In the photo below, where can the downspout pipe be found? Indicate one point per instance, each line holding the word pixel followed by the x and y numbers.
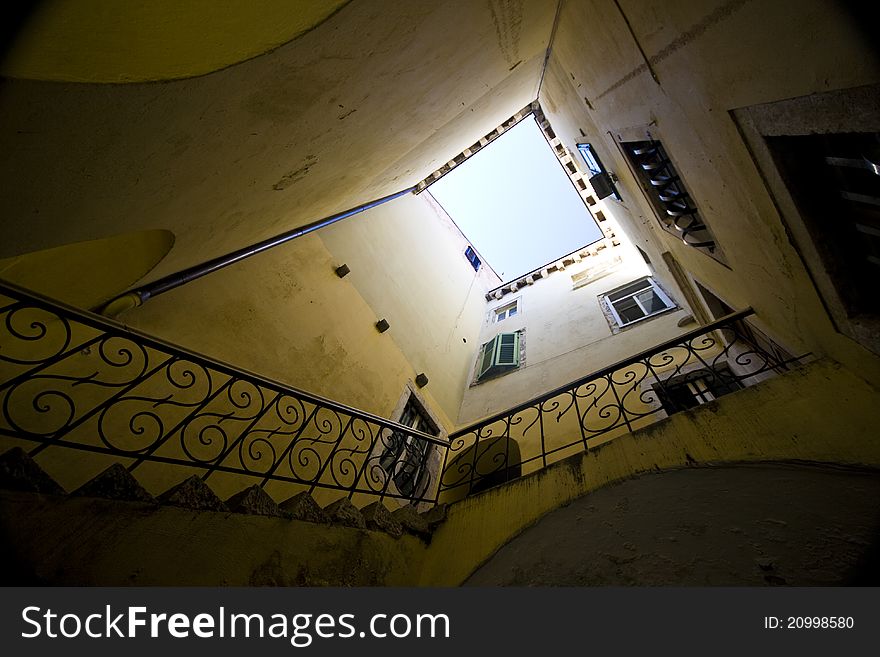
pixel 141 295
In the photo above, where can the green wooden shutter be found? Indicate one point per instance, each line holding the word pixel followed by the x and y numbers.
pixel 507 354
pixel 488 357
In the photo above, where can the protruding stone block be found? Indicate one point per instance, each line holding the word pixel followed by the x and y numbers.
pixel 18 471
pixel 253 501
pixel 343 512
pixel 412 522
pixel 303 507
pixel 193 493
pixel 115 483
pixel 435 515
pixel 378 517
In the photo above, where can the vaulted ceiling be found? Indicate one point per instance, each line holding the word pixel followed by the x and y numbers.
pixel 369 98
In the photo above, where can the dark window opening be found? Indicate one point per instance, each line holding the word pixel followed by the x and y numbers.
pixel 405 457
pixel 695 388
pixel 834 180
pixel 600 179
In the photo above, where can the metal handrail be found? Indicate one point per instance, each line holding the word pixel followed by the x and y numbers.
pixel 142 294
pixel 681 373
pixel 70 379
pixel 621 364
pixel 101 322
pixel 95 367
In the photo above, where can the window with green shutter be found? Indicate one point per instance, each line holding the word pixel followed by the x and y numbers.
pixel 500 354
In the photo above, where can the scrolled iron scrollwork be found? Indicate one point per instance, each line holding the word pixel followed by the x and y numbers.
pixel 724 355
pixel 73 380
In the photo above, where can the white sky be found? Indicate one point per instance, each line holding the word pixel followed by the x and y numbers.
pixel 515 203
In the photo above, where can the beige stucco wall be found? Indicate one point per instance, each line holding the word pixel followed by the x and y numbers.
pixel 711 58
pixel 567 336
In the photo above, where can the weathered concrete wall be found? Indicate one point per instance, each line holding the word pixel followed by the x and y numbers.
pixel 82 541
pixel 820 412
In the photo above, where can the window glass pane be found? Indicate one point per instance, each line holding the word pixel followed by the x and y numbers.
pixel 628 310
pixel 651 301
pixel 629 290
pixel 511 312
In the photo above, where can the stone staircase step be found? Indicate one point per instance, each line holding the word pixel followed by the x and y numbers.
pixel 412 522
pixel 18 471
pixel 195 494
pixel 254 501
pixel 302 506
pixel 343 512
pixel 378 517
pixel 115 483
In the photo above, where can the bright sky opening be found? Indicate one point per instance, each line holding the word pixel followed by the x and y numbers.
pixel 515 203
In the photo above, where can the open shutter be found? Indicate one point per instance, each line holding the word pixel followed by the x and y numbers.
pixel 487 357
pixel 507 350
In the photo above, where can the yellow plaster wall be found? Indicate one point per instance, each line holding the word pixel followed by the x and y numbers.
pixel 140 40
pixel 286 315
pixel 407 262
pixel 189 548
pixel 88 274
pixel 711 58
pixel 820 412
pixel 364 105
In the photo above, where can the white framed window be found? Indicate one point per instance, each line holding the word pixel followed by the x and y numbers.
pixel 501 354
pixel 508 310
pixel 637 301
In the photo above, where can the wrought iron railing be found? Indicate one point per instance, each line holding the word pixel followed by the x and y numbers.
pixel 73 382
pixel 684 372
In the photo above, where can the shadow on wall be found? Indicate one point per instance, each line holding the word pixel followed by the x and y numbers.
pixel 489 463
pixel 88 274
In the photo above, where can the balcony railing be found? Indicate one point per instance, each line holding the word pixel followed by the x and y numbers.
pixel 682 373
pixel 73 382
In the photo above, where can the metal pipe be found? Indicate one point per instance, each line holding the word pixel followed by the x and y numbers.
pixel 139 296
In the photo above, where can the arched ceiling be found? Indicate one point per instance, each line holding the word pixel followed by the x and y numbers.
pixel 139 40
pixel 370 101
